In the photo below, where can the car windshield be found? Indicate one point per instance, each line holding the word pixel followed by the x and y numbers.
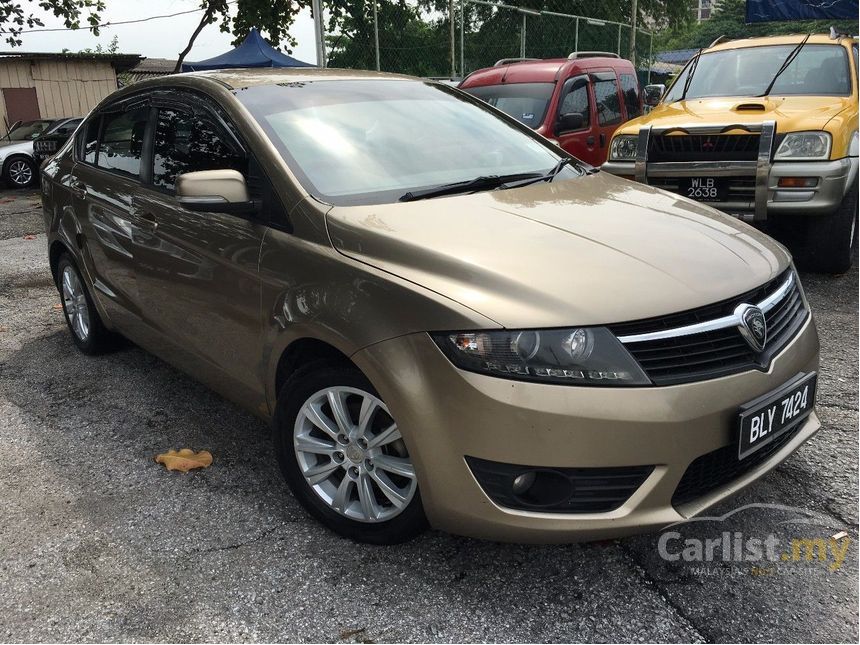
pixel 817 70
pixel 28 130
pixel 526 102
pixel 372 141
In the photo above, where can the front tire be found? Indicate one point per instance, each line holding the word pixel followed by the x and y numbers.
pixel 20 172
pixel 826 244
pixel 343 457
pixel 85 324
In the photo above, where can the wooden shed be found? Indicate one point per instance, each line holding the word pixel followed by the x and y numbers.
pixel 47 85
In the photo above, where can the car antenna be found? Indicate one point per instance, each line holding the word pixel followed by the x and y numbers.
pixel 788 60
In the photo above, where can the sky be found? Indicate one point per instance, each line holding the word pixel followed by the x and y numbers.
pixel 163 38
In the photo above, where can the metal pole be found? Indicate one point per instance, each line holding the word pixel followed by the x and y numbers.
pixel 576 37
pixel 523 39
pixel 650 57
pixel 319 31
pixel 376 34
pixel 634 19
pixel 462 38
pixel 451 14
pixel 619 40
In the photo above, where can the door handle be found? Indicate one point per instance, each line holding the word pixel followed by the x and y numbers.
pixel 78 189
pixel 602 140
pixel 590 140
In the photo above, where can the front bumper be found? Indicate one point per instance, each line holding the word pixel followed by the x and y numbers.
pixel 446 415
pixel 754 190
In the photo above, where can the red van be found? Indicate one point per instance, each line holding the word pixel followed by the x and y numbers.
pixel 576 101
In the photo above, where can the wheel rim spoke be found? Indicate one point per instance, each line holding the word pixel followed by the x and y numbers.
pixel 321 472
pixel 390 434
pixel 366 414
pixel 396 465
pixel 315 414
pixel 388 489
pixel 343 495
pixel 314 446
pixel 366 498
pixel 338 409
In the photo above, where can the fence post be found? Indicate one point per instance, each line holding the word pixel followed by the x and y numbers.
pixel 462 38
pixel 319 31
pixel 376 34
pixel 650 55
pixel 619 40
pixel 576 37
pixel 523 39
pixel 634 19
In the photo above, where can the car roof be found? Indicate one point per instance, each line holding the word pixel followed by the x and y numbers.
pixel 540 71
pixel 239 78
pixel 789 39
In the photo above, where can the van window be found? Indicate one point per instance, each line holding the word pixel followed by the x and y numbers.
pixel 121 142
pixel 576 100
pixel 606 98
pixel 630 89
pixel 187 142
pixel 526 102
pixel 89 142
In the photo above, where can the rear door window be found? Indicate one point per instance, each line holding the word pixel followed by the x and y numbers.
pixel 630 89
pixel 188 142
pixel 121 145
pixel 606 99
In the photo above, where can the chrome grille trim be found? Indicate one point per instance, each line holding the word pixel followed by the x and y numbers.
pixel 717 323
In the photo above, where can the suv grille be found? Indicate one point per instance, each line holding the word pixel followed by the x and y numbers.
pixel 559 490
pixel 710 354
pixel 703 147
pixel 720 467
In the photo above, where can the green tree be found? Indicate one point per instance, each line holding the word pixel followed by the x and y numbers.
pixel 17 15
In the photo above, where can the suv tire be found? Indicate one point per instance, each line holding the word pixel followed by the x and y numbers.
pixel 86 327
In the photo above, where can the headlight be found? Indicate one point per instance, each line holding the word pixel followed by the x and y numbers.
pixel 579 356
pixel 623 147
pixel 804 145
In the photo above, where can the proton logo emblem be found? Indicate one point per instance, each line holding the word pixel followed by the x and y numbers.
pixel 752 325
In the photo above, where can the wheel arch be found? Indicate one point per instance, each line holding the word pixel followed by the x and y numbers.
pixel 57 248
pixel 301 352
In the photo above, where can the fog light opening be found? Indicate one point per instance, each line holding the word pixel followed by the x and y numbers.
pixel 539 488
pixel 523 482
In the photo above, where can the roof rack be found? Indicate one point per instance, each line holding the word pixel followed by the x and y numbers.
pixel 720 39
pixel 508 61
pixel 577 55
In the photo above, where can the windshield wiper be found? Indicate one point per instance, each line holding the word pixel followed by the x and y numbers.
pixel 788 60
pixel 689 78
pixel 557 168
pixel 484 182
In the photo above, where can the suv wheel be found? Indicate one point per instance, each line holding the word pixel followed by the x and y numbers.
pixel 88 332
pixel 825 244
pixel 19 172
pixel 343 457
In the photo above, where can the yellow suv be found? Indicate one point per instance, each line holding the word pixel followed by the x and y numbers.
pixel 764 129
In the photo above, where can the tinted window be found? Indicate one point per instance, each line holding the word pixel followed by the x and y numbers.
pixel 606 98
pixel 186 142
pixel 66 128
pixel 122 141
pixel 576 100
pixel 90 141
pixel 526 102
pixel 630 90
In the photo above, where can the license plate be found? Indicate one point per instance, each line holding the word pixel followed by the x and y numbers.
pixel 769 416
pixel 704 189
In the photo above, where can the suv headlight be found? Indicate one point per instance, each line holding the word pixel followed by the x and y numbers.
pixel 804 145
pixel 577 356
pixel 623 147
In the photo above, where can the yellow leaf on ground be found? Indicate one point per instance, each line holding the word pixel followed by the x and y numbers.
pixel 185 459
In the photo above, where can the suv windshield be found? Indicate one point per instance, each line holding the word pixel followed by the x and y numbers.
pixel 817 70
pixel 526 102
pixel 372 141
pixel 27 130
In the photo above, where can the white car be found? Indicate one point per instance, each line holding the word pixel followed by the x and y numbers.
pixel 19 167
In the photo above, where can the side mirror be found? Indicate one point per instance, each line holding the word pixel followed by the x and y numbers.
pixel 570 121
pixel 214 191
pixel 652 94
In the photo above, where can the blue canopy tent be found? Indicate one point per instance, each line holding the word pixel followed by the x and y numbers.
pixel 253 52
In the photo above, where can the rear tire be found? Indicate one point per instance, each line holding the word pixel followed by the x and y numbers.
pixel 826 244
pixel 20 172
pixel 340 474
pixel 85 325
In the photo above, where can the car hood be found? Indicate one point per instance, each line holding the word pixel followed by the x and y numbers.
pixel 792 113
pixel 592 250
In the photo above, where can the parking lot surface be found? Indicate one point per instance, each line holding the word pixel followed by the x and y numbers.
pixel 100 543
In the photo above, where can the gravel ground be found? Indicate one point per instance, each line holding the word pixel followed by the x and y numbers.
pixel 99 543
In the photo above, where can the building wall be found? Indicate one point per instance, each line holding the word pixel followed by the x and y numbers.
pixel 64 87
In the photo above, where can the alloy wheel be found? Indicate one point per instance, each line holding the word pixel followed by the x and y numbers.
pixel 75 303
pixel 350 452
pixel 20 173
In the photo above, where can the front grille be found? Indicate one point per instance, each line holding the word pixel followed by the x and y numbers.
pixel 47 147
pixel 566 490
pixel 721 467
pixel 711 354
pixel 703 147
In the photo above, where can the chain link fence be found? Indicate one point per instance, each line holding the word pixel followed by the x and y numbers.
pixel 449 39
